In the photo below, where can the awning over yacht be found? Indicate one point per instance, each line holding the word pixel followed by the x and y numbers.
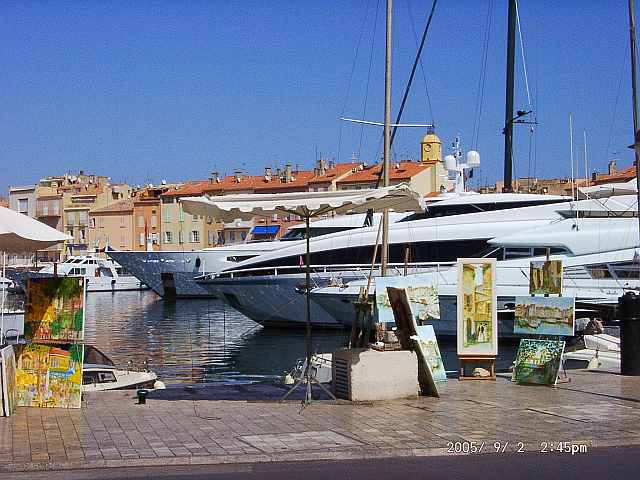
pixel 399 198
pixel 19 233
pixel 608 190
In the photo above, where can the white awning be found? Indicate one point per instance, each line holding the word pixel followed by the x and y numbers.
pixel 399 198
pixel 20 233
pixel 608 190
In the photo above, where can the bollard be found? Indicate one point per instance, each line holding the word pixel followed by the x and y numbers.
pixel 629 315
pixel 142 396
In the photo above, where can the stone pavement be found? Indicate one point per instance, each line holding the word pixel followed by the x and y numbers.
pixel 594 410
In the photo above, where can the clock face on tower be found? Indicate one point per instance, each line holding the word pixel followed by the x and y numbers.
pixel 426 147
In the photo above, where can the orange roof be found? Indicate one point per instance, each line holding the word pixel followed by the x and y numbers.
pixel 371 174
pixel 337 171
pixel 621 176
pixel 230 183
pixel 299 179
pixel 257 183
pixel 188 189
pixel 125 205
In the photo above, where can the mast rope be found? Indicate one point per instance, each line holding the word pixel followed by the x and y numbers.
pixel 366 90
pixel 483 75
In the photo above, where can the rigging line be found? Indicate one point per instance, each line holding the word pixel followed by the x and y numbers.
pixel 366 90
pixel 524 64
pixel 615 106
pixel 350 83
pixel 410 81
pixel 483 77
pixel 424 76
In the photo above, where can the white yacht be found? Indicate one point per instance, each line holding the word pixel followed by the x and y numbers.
pixel 102 275
pixel 599 254
pixel 264 288
pixel 171 273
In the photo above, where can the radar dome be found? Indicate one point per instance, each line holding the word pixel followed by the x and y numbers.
pixel 450 162
pixel 473 159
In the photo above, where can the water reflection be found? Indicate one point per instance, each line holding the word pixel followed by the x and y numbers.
pixel 202 340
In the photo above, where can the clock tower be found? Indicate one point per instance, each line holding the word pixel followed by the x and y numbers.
pixel 430 148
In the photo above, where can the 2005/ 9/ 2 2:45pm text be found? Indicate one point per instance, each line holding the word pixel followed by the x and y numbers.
pixel 517 447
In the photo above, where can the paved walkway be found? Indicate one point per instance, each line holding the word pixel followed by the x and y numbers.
pixel 594 410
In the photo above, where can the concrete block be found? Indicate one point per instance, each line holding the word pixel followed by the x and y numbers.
pixel 361 374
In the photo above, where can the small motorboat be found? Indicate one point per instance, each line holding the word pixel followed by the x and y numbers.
pixel 601 353
pixel 99 373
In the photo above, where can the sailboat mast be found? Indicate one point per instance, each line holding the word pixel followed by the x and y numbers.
pixel 384 260
pixel 508 116
pixel 634 90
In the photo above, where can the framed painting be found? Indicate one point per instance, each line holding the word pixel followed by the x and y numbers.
pixel 55 309
pixel 49 376
pixel 544 316
pixel 423 297
pixel 538 361
pixel 477 318
pixel 8 374
pixel 545 277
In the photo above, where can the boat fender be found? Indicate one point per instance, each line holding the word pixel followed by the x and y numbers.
pixel 159 385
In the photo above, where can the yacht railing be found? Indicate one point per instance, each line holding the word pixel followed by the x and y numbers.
pixel 352 267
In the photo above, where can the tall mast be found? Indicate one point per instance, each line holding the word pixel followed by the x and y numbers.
pixel 634 90
pixel 508 116
pixel 387 141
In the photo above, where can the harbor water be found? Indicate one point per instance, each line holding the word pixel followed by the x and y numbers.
pixel 205 341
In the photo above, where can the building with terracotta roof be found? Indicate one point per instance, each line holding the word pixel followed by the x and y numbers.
pixel 147 226
pixel 328 175
pixel 112 226
pixel 614 175
pixel 180 230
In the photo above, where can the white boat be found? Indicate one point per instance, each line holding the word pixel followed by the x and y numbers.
pixel 264 288
pixel 172 273
pixel 100 374
pixel 601 353
pixel 102 275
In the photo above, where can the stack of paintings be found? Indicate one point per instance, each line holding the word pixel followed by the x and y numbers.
pixel 49 370
pixel 8 380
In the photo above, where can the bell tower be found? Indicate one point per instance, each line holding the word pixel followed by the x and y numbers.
pixel 431 148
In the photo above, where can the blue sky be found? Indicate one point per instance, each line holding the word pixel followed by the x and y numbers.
pixel 145 91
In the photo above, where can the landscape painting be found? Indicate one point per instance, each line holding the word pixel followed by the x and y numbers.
pixel 55 309
pixel 49 376
pixel 423 297
pixel 428 344
pixel 477 326
pixel 544 316
pixel 545 277
pixel 538 361
pixel 8 374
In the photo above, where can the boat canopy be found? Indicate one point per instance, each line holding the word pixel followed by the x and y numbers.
pixel 399 198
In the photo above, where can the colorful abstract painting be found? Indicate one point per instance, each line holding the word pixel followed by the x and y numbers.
pixel 8 380
pixel 545 277
pixel 477 328
pixel 55 309
pixel 49 376
pixel 428 344
pixel 544 316
pixel 423 297
pixel 538 361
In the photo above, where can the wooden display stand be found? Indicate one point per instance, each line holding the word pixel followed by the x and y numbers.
pixel 464 360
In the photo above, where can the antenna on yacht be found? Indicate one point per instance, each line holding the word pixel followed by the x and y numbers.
pixel 455 168
pixel 573 181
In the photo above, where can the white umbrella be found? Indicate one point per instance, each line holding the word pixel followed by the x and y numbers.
pixel 20 233
pixel 400 198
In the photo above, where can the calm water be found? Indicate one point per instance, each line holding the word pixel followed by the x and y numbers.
pixel 204 341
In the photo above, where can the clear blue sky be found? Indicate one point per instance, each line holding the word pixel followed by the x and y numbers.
pixel 143 91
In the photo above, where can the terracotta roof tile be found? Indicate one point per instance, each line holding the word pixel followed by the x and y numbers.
pixel 188 189
pixel 370 174
pixel 125 205
pixel 337 171
pixel 621 176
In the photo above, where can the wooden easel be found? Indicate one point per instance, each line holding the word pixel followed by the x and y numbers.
pixel 465 360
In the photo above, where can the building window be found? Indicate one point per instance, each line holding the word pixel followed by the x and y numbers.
pixel 23 206
pixel 123 240
pixel 83 217
pixel 154 238
pixel 56 207
pixel 141 239
pixel 221 238
pixel 180 239
pixel 210 238
pixel 243 236
pixel 195 218
pixel 122 220
pixel 154 221
pixel 167 237
pixel 195 236
pixel 140 221
pixel 166 215
pixel 83 235
pixel 93 223
pixel 232 236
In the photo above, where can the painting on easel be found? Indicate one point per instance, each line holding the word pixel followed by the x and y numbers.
pixel 477 331
pixel 545 277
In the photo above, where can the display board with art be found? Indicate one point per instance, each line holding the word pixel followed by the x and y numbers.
pixel 538 361
pixel 8 380
pixel 423 297
pixel 477 320
pixel 544 316
pixel 545 277
pixel 420 339
pixel 49 376
pixel 55 309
